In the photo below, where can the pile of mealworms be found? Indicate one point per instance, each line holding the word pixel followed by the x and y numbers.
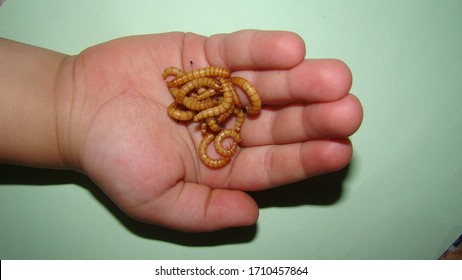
pixel 208 96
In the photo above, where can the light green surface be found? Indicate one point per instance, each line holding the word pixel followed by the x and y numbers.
pixel 401 198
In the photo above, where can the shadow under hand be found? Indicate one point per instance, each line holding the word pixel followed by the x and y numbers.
pixel 21 175
pixel 320 190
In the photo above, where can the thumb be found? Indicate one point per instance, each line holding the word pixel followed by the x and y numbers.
pixel 198 208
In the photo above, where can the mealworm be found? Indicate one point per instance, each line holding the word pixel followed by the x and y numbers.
pixel 196 83
pixel 220 109
pixel 239 118
pixel 179 114
pixel 251 92
pixel 214 71
pixel 200 105
pixel 200 90
pixel 204 156
pixel 212 123
pixel 172 70
pixel 236 98
pixel 208 95
pixel 231 150
pixel 173 91
pixel 204 128
pixel 221 118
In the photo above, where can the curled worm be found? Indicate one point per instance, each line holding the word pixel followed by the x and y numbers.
pixel 172 70
pixel 196 83
pixel 204 156
pixel 179 114
pixel 227 133
pixel 209 96
pixel 214 71
pixel 206 93
pixel 255 101
pixel 223 117
pixel 212 123
pixel 224 105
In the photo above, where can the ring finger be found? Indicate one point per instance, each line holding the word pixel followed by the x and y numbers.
pixel 303 122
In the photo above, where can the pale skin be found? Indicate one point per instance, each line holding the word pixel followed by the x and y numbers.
pixel 104 113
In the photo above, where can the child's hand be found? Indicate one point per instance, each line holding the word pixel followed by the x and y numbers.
pixel 113 124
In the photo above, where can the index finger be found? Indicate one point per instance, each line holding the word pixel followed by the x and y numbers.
pixel 255 49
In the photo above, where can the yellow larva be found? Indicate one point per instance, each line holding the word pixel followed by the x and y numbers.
pixel 211 71
pixel 197 105
pixel 239 118
pixel 196 83
pixel 226 133
pixel 179 114
pixel 220 109
pixel 208 96
pixel 172 70
pixel 251 92
pixel 204 156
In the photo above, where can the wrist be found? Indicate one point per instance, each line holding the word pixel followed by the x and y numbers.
pixel 64 118
pixel 27 111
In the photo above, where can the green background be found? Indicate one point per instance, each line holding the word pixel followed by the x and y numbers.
pixel 401 197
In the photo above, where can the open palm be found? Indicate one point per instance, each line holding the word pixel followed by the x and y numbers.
pixel 148 163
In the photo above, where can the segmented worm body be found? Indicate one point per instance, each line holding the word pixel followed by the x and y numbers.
pixel 255 101
pixel 195 84
pixel 208 96
pixel 213 71
pixel 223 117
pixel 226 133
pixel 204 156
pixel 200 105
pixel 205 93
pixel 179 114
pixel 172 70
pixel 212 124
pixel 239 118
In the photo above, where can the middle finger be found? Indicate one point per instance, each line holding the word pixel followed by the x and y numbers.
pixel 313 80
